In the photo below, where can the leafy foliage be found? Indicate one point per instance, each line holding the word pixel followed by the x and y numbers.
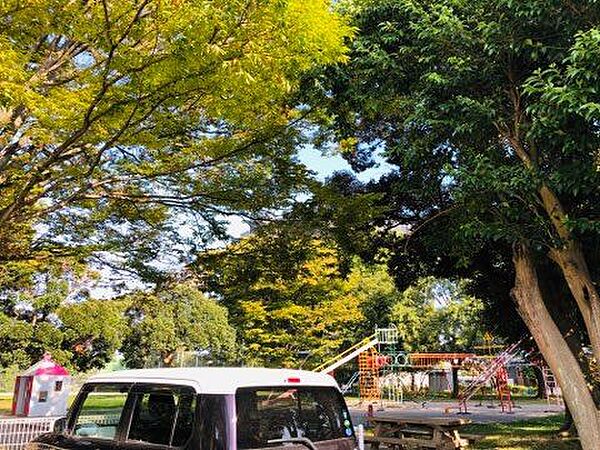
pixel 118 120
pixel 438 315
pixel 80 333
pixel 92 331
pixel 480 105
pixel 289 299
pixel 84 333
pixel 489 111
pixel 445 87
pixel 175 318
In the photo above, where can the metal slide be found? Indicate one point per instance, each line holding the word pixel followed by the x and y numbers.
pixel 348 354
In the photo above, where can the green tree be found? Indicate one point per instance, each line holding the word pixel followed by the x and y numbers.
pixel 489 111
pixel 93 330
pixel 437 315
pixel 376 293
pixel 284 295
pixel 79 332
pixel 177 317
pixel 289 297
pixel 120 119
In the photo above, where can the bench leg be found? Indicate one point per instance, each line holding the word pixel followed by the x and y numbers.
pixel 445 440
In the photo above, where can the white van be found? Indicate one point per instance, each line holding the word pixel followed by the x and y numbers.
pixel 205 409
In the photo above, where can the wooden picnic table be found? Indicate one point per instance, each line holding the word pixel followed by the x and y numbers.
pixel 399 430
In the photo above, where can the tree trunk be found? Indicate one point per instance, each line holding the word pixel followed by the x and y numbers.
pixel 541 385
pixel 562 361
pixel 569 256
pixel 168 358
pixel 572 262
pixel 575 270
pixel 455 387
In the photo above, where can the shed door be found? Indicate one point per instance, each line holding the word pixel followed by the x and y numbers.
pixel 23 395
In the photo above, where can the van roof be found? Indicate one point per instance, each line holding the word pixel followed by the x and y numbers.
pixel 219 380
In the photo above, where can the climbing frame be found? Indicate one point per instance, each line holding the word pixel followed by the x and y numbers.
pixel 368 368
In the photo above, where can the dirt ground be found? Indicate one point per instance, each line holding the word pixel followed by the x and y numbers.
pixel 479 412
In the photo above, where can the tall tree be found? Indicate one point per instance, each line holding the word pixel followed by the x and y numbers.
pixel 93 331
pixel 292 298
pixel 54 317
pixel 489 110
pixel 176 317
pixel 121 119
pixel 438 315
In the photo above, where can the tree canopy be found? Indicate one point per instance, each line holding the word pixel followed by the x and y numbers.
pixel 289 298
pixel 176 317
pixel 488 109
pixel 80 333
pixel 121 120
pixel 437 315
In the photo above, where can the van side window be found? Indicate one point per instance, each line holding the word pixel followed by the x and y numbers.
pixel 163 416
pixel 100 410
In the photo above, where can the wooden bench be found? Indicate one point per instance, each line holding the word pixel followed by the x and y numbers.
pixel 400 430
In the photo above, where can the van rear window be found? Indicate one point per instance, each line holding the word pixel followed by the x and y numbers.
pixel 265 414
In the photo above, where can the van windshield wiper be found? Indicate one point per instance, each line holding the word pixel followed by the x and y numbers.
pixel 297 440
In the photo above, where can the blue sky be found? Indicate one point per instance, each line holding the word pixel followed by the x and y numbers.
pixel 325 165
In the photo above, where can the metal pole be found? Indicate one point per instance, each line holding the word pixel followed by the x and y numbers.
pixel 360 436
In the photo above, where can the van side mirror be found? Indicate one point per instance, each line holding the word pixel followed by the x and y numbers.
pixel 60 425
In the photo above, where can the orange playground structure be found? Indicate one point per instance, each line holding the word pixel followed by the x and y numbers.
pixel 380 362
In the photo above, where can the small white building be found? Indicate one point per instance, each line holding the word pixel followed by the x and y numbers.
pixel 42 390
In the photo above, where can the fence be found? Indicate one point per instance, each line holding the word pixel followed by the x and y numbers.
pixel 100 419
pixel 15 433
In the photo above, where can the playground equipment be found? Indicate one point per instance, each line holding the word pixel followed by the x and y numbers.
pixel 384 371
pixel 368 369
pixel 496 370
pixel 427 360
pixel 553 392
pixel 379 359
pixel 40 399
pixel 349 354
pixel 42 390
pixel 503 389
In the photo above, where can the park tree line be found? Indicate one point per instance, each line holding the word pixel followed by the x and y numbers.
pixel 84 334
pixel 244 304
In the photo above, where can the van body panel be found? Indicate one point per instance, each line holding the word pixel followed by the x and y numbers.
pixel 218 380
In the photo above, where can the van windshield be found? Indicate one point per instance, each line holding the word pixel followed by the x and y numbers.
pixel 264 414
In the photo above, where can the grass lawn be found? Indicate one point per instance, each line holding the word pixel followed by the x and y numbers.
pixel 100 402
pixel 538 434
pixel 5 404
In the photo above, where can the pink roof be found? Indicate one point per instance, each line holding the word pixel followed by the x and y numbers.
pixel 56 370
pixel 46 367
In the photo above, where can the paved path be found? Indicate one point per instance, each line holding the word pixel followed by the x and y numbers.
pixel 524 410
